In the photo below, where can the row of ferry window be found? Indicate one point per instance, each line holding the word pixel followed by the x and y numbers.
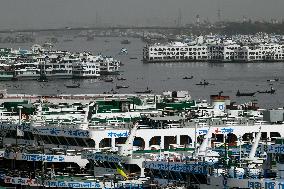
pixel 85 72
pixel 220 48
pixel 211 50
pixel 178 53
pixel 214 57
pixel 178 49
pixel 256 54
pixel 180 57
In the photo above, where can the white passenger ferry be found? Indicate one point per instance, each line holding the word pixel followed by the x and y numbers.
pixel 227 51
pixel 86 70
pixel 173 138
pixel 33 64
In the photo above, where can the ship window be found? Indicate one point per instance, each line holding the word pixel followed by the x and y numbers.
pixel 71 141
pixel 81 142
pixel 54 140
pixel 274 135
pixel 62 140
pixel 28 136
pixel 120 140
pixel 45 139
pixel 106 142
pixel 90 142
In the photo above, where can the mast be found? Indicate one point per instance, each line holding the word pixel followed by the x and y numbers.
pixel 203 147
pixel 127 148
pixel 255 145
pixel 19 132
pixel 240 139
pixel 85 123
pixel 195 138
pixel 42 76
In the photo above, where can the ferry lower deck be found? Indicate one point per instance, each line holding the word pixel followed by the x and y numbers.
pixel 148 136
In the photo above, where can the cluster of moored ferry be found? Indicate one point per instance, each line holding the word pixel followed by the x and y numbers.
pixel 139 141
pixel 43 61
pixel 240 48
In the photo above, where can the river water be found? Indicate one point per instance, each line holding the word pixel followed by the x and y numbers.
pixel 226 77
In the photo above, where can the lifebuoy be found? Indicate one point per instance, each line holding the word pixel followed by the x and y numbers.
pixel 1 95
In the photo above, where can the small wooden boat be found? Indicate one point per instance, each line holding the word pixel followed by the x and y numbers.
pixel 73 85
pixel 271 91
pixel 125 42
pixel 244 94
pixel 121 87
pixel 42 78
pixel 147 91
pixel 123 51
pixel 191 77
pixel 108 80
pixel 204 83
pixel 121 79
pixel 273 80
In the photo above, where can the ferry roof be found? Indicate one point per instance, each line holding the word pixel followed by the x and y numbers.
pixel 174 118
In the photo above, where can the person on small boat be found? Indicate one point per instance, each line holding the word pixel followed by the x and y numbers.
pixel 204 82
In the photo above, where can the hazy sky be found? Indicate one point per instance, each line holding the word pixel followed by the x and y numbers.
pixel 61 13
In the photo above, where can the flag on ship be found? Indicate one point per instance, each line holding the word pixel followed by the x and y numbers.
pixel 120 170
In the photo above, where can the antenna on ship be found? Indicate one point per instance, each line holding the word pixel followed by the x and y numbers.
pixel 219 12
pixel 254 146
pixel 97 19
pixel 197 20
pixel 179 20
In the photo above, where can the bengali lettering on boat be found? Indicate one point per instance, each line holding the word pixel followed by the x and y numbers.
pixel 177 166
